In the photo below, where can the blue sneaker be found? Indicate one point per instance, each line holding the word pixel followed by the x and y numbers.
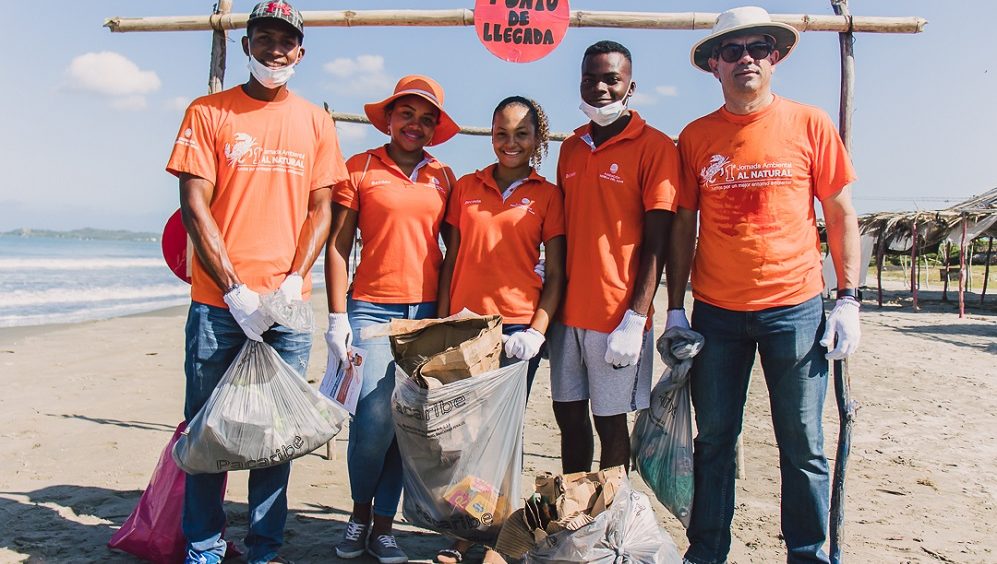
pixel 354 541
pixel 195 557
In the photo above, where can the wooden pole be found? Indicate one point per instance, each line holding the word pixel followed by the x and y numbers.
pixel 465 17
pixel 216 76
pixel 986 270
pixel 945 281
pixel 481 131
pixel 913 262
pixel 962 269
pixel 842 384
pixel 880 255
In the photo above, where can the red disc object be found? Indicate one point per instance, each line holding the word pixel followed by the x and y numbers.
pixel 521 31
pixel 175 246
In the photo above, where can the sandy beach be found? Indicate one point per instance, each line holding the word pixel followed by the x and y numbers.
pixel 86 409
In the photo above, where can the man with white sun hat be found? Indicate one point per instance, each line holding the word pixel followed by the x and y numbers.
pixel 751 170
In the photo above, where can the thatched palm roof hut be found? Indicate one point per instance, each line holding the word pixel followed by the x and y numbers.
pixel 916 231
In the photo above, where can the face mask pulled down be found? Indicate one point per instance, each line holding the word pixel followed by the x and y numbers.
pixel 605 115
pixel 268 77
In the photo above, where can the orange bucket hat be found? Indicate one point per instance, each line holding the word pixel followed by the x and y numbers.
pixel 424 87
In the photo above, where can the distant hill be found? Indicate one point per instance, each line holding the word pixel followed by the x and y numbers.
pixel 86 233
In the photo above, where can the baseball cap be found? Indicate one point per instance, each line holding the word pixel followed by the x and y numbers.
pixel 277 10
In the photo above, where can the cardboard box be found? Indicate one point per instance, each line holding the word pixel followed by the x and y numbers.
pixel 578 497
pixel 446 350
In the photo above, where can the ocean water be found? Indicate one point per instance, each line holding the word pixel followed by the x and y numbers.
pixel 50 280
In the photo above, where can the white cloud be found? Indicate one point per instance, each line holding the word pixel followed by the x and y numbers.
pixel 349 131
pixel 667 90
pixel 177 103
pixel 129 103
pixel 111 74
pixel 642 99
pixel 363 76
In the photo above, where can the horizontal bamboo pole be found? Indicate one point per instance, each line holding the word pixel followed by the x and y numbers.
pixel 481 131
pixel 465 17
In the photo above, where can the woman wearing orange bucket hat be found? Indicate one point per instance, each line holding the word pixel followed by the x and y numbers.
pixel 396 195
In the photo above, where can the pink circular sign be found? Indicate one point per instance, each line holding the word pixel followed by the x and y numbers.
pixel 521 31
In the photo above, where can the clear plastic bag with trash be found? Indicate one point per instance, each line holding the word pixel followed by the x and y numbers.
pixel 461 446
pixel 625 532
pixel 261 414
pixel 296 315
pixel 661 442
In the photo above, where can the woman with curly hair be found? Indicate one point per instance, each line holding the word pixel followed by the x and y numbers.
pixel 501 217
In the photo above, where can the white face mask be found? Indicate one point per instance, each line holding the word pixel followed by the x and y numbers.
pixel 268 77
pixel 605 115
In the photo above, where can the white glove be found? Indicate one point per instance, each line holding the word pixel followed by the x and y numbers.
pixel 540 271
pixel 843 323
pixel 624 343
pixel 339 337
pixel 676 318
pixel 525 344
pixel 244 305
pixel 290 288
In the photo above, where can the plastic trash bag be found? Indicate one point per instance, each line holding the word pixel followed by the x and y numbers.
pixel 462 451
pixel 154 530
pixel 626 532
pixel 661 442
pixel 262 413
pixel 296 315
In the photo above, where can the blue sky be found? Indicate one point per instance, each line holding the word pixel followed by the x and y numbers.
pixel 91 119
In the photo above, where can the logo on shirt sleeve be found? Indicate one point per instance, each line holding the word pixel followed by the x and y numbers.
pixel 186 140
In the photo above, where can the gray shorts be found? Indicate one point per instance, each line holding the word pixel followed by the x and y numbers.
pixel 579 371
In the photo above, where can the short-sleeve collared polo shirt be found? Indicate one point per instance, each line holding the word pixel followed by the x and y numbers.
pixel 607 190
pixel 500 243
pixel 399 221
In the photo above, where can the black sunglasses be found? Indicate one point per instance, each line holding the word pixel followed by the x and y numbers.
pixel 732 52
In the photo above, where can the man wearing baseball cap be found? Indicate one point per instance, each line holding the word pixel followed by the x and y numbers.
pixel 752 170
pixel 256 165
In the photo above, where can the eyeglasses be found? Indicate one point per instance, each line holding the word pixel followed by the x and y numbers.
pixel 732 52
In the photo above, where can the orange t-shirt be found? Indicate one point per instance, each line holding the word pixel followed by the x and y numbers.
pixel 264 158
pixel 753 179
pixel 607 191
pixel 500 243
pixel 399 220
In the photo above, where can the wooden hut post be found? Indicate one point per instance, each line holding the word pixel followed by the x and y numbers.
pixel 880 255
pixel 945 270
pixel 986 270
pixel 913 261
pixel 962 269
pixel 216 75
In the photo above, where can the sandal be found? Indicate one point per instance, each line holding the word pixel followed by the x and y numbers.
pixel 449 556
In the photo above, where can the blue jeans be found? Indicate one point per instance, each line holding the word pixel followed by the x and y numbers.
pixel 213 341
pixel 532 365
pixel 372 456
pixel 787 340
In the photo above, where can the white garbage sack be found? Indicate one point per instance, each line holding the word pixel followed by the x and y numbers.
pixel 626 532
pixel 262 413
pixel 462 450
pixel 661 442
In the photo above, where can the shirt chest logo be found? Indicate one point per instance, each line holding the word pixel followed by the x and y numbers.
pixel 723 174
pixel 611 175
pixel 524 203
pixel 236 151
pixel 245 153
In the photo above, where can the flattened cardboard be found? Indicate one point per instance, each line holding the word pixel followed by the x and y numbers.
pixel 446 350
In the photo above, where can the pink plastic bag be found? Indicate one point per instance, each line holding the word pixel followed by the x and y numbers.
pixel 154 531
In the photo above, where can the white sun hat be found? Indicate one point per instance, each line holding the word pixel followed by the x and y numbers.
pixel 746 20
